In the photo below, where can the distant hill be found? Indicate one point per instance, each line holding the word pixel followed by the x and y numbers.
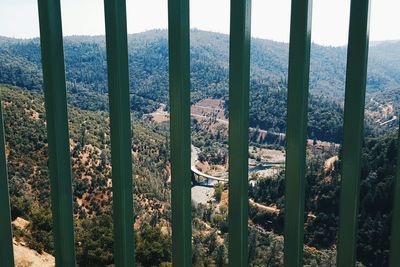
pixel 86 74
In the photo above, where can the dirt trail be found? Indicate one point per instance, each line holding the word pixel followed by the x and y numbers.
pixel 264 207
pixel 329 164
pixel 25 256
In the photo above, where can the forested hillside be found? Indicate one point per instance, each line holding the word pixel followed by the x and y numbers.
pixel 26 149
pixel 323 194
pixel 148 59
pixel 29 189
pixel 86 75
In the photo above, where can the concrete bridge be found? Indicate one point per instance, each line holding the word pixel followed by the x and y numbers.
pixel 209 178
pixel 224 178
pixel 195 171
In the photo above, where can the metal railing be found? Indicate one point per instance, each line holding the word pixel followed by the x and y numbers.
pixel 179 62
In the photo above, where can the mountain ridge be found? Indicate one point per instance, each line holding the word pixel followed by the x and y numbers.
pixel 86 76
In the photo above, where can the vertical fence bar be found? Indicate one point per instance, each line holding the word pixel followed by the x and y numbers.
pixel 357 59
pixel 6 243
pixel 120 124
pixel 395 235
pixel 296 136
pixel 179 94
pixel 239 86
pixel 51 41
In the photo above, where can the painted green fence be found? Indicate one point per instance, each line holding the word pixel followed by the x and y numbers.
pixel 179 68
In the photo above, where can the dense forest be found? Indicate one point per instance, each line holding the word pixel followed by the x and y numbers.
pixel 322 200
pixel 86 75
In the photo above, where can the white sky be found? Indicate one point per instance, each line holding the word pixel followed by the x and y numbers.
pixel 270 18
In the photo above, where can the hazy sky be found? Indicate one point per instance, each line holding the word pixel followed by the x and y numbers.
pixel 270 18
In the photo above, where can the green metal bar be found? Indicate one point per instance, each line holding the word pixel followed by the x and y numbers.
pixel 239 87
pixel 179 95
pixel 395 242
pixel 296 136
pixel 51 41
pixel 6 242
pixel 357 59
pixel 120 124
